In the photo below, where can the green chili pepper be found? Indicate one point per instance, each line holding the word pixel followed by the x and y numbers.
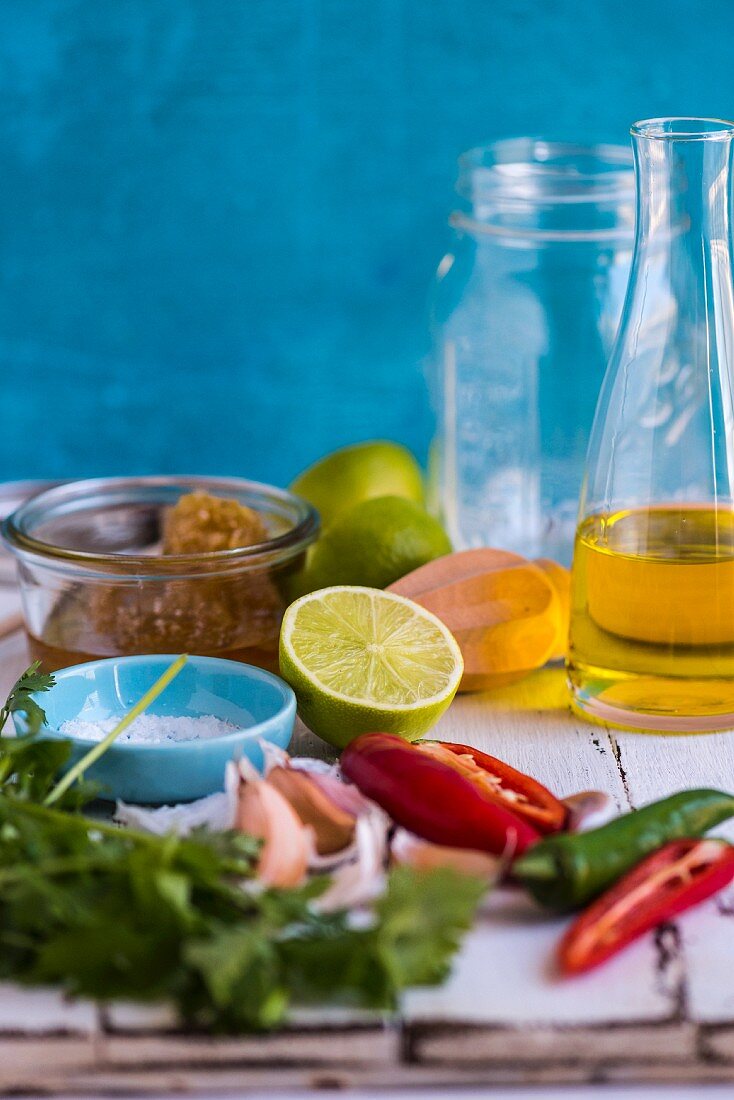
pixel 567 870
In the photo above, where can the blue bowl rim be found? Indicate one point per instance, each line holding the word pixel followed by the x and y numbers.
pixel 286 709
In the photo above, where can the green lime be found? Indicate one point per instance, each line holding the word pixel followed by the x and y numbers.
pixel 361 660
pixel 374 544
pixel 353 474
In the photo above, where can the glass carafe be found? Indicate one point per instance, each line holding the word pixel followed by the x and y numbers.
pixel 652 626
pixel 524 310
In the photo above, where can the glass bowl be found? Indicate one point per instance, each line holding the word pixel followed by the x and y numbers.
pixel 94 584
pixel 12 495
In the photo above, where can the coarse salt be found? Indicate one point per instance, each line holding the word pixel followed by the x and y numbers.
pixel 151 729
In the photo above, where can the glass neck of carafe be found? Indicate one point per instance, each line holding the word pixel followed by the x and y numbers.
pixel 664 427
pixel 684 181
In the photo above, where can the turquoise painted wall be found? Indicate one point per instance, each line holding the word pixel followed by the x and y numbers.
pixel 219 218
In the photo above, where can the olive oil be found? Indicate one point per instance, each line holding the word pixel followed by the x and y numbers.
pixel 652 618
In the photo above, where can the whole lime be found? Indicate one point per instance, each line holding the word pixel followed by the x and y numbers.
pixel 374 544
pixel 348 476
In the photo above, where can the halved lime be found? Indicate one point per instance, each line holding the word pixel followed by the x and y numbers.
pixel 361 660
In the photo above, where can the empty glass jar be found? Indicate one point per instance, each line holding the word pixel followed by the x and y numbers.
pixel 524 311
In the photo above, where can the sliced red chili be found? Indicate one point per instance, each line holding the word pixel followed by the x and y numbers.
pixel 502 784
pixel 432 799
pixel 676 877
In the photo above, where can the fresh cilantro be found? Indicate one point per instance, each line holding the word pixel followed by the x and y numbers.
pixel 414 932
pixel 29 765
pixel 32 682
pixel 420 922
pixel 106 913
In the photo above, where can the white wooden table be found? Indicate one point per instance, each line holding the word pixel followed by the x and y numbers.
pixel 662 1012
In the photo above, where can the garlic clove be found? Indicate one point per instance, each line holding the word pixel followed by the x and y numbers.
pixel 264 813
pixel 345 795
pixel 333 827
pixel 413 851
pixel 588 810
pixel 312 765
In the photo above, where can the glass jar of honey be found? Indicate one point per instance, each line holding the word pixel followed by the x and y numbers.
pixel 95 580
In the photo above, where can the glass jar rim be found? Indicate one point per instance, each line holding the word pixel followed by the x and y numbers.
pixel 683 128
pixel 17 534
pixel 538 171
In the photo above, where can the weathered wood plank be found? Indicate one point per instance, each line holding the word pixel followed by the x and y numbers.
pixel 707 940
pixel 261 1080
pixel 27 1063
pixel 342 1047
pixel 654 766
pixel 546 1046
pixel 504 976
pixel 44 1011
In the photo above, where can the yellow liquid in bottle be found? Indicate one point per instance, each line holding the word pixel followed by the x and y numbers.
pixel 652 618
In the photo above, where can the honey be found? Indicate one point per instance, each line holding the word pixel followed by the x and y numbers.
pixel 236 616
pixel 125 566
pixel 652 617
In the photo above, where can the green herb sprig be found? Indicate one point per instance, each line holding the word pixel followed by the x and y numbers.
pixel 106 912
pixel 32 682
pixel 109 913
pixel 29 765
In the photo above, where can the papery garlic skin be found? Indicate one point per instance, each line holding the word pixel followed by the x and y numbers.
pixel 412 851
pixel 344 794
pixel 589 810
pixel 274 756
pixel 216 812
pixel 345 834
pixel 359 879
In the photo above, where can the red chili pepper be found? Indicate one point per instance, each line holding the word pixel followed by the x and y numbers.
pixel 432 799
pixel 676 877
pixel 502 784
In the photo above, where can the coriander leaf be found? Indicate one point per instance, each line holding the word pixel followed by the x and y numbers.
pixel 31 682
pixel 111 913
pixel 342 965
pixel 29 765
pixel 421 918
pixel 241 970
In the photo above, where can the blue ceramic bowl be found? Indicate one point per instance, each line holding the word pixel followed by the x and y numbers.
pixel 261 705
